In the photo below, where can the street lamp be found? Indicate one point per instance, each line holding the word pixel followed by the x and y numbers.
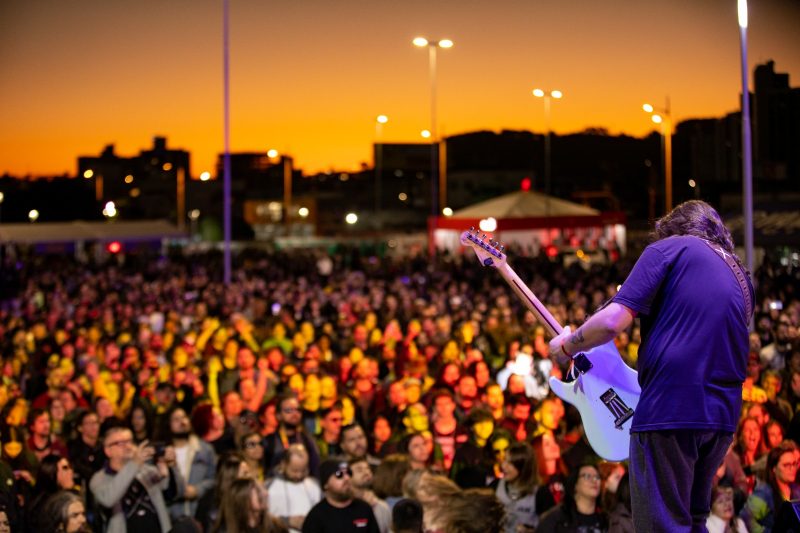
pixel 33 215
pixel 547 95
pixel 380 120
pixel 747 145
pixel 663 117
pixel 436 176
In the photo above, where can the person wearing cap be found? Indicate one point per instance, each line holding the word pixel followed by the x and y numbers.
pixel 339 511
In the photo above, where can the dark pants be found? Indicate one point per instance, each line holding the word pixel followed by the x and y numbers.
pixel 671 473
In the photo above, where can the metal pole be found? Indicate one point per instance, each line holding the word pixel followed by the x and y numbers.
pixel 434 134
pixel 226 194
pixel 668 157
pixel 747 145
pixel 181 193
pixel 378 169
pixel 547 154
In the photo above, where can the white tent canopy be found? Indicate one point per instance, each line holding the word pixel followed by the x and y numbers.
pixel 529 221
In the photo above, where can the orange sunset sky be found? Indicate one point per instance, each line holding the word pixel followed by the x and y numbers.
pixel 308 77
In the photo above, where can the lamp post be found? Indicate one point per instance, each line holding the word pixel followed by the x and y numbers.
pixel 379 122
pixel 547 95
pixel 226 185
pixel 747 145
pixel 663 116
pixel 437 197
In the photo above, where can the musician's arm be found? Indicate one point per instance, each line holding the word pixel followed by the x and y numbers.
pixel 601 328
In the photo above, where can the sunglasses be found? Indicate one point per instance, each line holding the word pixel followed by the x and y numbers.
pixel 339 474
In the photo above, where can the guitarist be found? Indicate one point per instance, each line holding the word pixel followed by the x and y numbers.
pixel 695 302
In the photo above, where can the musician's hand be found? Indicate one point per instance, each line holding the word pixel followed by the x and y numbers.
pixel 554 347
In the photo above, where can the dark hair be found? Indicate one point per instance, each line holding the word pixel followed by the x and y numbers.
pixel 148 416
pixel 697 218
pixel 624 491
pixel 47 476
pixel 36 413
pixel 773 459
pixel 388 478
pixel 475 510
pixel 56 510
pixel 202 417
pixel 520 455
pixel 407 516
pixel 478 415
pixel 568 504
pixel 227 471
pixel 236 509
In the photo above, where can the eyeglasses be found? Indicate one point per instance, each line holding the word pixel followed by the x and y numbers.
pixel 590 477
pixel 253 444
pixel 290 410
pixel 120 442
pixel 339 474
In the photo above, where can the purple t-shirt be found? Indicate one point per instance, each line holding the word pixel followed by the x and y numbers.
pixel 693 356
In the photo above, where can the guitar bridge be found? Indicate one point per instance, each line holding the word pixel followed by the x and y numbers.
pixel 622 413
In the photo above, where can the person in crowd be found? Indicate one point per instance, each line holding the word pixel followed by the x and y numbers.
pixel 292 492
pixel 579 509
pixel 86 450
pixel 470 511
pixel 763 504
pixel 251 446
pixel 381 437
pixel 41 440
pixel 327 439
pixel 245 509
pixel 389 476
pixel 65 513
pixel 230 467
pixel 290 431
pixel 140 420
pixel 620 517
pixel 517 489
pixel 416 446
pixel 354 444
pixel 361 483
pixel 690 271
pixel 407 517
pixel 209 424
pixel 130 491
pixel 723 518
pixel 194 458
pixel 339 510
pixel 448 434
pixel 473 464
pixel 55 474
pixel 749 448
pixel 772 434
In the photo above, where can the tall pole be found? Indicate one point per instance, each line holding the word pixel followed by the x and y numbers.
pixel 747 145
pixel 547 154
pixel 667 131
pixel 379 122
pixel 181 194
pixel 226 194
pixel 434 134
pixel 287 189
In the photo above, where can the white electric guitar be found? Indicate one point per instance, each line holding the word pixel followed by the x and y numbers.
pixel 606 391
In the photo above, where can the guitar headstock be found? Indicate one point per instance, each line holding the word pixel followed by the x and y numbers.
pixel 490 252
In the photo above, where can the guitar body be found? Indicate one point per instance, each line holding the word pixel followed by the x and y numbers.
pixel 606 397
pixel 606 390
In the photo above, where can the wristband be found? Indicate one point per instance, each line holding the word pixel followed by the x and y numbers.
pixel 565 350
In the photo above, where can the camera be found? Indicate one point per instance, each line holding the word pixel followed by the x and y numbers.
pixel 776 305
pixel 160 448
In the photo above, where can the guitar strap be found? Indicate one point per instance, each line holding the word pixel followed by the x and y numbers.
pixel 740 277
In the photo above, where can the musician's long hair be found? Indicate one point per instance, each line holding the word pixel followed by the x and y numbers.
pixel 697 218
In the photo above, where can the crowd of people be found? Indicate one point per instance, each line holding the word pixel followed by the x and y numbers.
pixel 337 392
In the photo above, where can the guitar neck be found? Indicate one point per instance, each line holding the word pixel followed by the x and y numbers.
pixel 530 300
